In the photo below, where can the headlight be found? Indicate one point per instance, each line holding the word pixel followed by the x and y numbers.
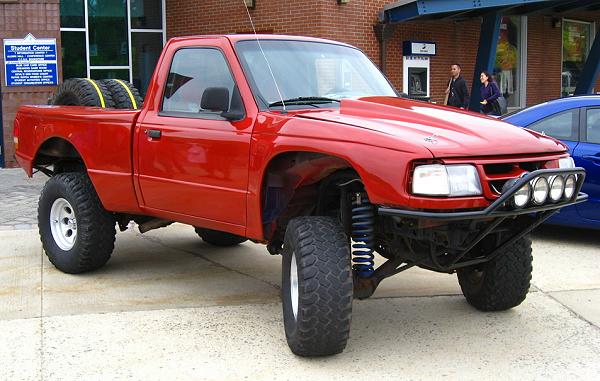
pixel 521 197
pixel 446 180
pixel 566 162
pixel 570 184
pixel 540 190
pixel 557 187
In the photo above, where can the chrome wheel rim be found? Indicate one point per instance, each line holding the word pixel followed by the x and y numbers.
pixel 294 285
pixel 63 224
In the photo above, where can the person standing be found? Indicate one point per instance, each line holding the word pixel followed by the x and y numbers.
pixel 457 93
pixel 489 95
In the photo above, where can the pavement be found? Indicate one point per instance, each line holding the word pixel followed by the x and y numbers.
pixel 169 306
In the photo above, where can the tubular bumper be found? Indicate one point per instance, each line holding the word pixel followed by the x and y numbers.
pixel 499 208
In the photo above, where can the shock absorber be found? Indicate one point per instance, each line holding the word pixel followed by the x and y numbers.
pixel 363 235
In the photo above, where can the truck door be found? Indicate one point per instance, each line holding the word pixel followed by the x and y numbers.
pixel 193 161
pixel 587 155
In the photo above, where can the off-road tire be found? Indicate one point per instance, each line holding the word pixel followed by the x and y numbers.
pixel 80 92
pixel 324 291
pixel 95 238
pixel 217 238
pixel 120 96
pixel 502 283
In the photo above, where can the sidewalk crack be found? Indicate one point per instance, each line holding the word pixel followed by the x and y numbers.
pixel 159 242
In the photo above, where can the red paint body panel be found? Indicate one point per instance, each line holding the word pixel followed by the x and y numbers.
pixel 210 173
pixel 101 136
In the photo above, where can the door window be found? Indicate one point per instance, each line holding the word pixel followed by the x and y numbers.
pixel 576 38
pixel 507 66
pixel 562 126
pixel 593 125
pixel 192 72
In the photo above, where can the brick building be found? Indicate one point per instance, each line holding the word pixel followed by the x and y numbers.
pixel 539 54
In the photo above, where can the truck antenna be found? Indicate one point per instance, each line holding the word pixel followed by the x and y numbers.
pixel 264 55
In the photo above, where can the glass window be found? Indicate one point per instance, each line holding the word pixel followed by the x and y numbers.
pixel 576 45
pixel 192 72
pixel 146 14
pixel 110 73
pixel 507 68
pixel 108 32
pixel 145 51
pixel 309 69
pixel 72 14
pixel 593 125
pixel 73 55
pixel 563 126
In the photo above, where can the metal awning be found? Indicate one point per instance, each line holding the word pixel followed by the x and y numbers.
pixel 407 10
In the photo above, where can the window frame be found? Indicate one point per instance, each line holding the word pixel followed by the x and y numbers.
pixel 592 25
pixel 577 128
pixel 211 115
pixel 584 128
pixel 130 33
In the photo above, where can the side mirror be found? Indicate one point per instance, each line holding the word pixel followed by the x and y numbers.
pixel 215 99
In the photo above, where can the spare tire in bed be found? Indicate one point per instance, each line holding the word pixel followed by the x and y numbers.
pixel 123 93
pixel 82 92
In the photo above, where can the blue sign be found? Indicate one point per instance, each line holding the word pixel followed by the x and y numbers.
pixel 30 62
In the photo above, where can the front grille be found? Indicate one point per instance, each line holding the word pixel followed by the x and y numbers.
pixel 495 175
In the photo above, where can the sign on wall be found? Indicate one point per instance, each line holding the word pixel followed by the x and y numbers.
pixel 30 62
pixel 418 48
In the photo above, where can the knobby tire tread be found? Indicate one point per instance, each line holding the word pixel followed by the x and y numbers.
pixel 95 226
pixel 325 286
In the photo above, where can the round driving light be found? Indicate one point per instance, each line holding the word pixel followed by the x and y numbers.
pixel 570 183
pixel 521 197
pixel 557 187
pixel 540 190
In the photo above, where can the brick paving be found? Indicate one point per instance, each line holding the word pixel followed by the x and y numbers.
pixel 18 199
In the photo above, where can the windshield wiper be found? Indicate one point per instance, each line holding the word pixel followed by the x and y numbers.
pixel 304 101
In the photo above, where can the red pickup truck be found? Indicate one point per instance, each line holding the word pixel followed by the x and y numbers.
pixel 301 144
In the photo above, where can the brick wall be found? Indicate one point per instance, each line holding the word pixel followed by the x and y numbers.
pixel 40 18
pixel 353 23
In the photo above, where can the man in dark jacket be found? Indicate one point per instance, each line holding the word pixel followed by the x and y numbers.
pixel 458 95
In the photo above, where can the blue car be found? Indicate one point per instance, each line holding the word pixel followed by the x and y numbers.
pixel 576 122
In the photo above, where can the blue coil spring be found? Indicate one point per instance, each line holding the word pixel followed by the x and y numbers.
pixel 363 236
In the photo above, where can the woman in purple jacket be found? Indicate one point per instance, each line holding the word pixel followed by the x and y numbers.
pixel 489 95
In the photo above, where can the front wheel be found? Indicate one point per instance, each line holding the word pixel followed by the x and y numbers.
pixel 502 283
pixel 77 233
pixel 316 286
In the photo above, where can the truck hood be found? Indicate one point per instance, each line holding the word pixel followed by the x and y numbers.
pixel 445 131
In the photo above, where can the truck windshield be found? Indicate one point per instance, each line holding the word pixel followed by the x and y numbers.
pixel 307 70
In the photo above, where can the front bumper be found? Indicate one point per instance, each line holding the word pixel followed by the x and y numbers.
pixel 499 208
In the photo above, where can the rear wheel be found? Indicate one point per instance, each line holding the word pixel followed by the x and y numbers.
pixel 316 286
pixel 77 233
pixel 502 283
pixel 217 238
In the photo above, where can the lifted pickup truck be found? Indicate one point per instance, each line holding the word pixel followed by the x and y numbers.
pixel 303 145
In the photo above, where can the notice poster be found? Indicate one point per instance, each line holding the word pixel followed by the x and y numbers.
pixel 30 62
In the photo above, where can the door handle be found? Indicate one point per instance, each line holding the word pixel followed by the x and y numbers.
pixel 595 159
pixel 153 134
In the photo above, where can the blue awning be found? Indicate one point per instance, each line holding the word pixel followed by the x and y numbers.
pixel 406 10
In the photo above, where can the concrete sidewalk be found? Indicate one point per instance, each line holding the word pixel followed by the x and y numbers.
pixel 18 199
pixel 168 306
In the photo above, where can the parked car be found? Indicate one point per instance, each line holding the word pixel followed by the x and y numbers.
pixel 576 122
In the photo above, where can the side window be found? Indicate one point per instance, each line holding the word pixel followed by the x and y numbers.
pixel 193 72
pixel 562 126
pixel 593 125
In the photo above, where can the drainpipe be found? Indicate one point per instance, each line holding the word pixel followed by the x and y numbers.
pixel 383 32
